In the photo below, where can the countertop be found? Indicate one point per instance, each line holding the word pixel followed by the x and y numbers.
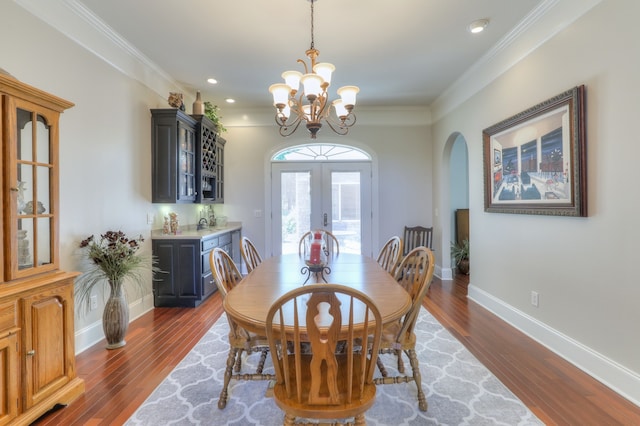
pixel 191 232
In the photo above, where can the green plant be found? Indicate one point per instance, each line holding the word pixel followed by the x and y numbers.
pixel 213 113
pixel 460 252
pixel 115 259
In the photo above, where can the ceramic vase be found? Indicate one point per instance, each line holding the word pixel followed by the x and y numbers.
pixel 115 318
pixel 198 106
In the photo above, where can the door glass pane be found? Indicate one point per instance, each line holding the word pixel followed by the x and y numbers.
pixel 43 205
pixel 295 207
pixel 42 141
pixel 346 212
pixel 44 244
pixel 25 243
pixel 25 135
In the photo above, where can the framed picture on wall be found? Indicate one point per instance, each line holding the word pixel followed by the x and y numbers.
pixel 535 161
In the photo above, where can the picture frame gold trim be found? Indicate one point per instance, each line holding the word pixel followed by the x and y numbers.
pixel 535 161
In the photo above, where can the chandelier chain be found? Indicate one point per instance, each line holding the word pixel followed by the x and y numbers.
pixel 312 43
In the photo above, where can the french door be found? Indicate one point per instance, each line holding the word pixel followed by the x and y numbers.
pixel 335 196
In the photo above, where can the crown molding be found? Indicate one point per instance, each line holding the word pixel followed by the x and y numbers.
pixel 75 21
pixel 545 21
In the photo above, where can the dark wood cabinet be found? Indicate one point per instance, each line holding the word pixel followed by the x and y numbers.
pixel 462 225
pixel 210 177
pixel 173 162
pixel 187 280
pixel 187 158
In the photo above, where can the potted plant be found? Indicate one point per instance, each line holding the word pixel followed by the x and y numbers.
pixel 212 112
pixel 460 254
pixel 115 261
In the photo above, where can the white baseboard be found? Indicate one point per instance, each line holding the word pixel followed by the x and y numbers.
pixel 92 334
pixel 443 273
pixel 617 377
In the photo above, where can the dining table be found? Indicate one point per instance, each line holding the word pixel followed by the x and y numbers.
pixel 250 300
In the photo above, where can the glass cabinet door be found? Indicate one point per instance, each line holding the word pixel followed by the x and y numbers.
pixel 187 166
pixel 32 176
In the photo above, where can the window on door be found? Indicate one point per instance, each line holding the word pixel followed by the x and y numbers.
pixel 330 189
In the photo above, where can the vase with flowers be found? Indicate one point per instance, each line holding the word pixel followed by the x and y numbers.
pixel 115 260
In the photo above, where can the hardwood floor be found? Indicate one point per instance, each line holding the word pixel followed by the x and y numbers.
pixel 118 381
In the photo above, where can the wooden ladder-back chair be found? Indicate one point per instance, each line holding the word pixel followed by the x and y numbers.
pixel 414 274
pixel 227 276
pixel 416 236
pixel 331 375
pixel 390 254
pixel 250 254
pixel 330 241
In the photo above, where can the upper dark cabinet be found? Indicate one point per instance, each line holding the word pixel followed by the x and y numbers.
pixel 188 158
pixel 174 150
pixel 210 176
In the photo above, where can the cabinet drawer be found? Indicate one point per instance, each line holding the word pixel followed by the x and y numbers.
pixel 208 285
pixel 224 239
pixel 209 244
pixel 206 265
pixel 8 315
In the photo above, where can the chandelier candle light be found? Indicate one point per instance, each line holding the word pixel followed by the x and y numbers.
pixel 312 104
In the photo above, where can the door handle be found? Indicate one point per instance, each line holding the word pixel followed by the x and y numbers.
pixel 325 220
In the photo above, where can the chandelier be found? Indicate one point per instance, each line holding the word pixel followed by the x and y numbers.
pixel 312 104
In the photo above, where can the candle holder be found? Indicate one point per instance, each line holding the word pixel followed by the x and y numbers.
pixel 316 269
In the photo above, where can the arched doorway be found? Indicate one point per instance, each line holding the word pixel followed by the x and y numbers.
pixel 456 156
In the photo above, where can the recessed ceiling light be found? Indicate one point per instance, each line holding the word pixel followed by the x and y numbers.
pixel 478 26
pixel 212 81
pixel 230 101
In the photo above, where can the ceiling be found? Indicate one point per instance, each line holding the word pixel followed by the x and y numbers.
pixel 400 53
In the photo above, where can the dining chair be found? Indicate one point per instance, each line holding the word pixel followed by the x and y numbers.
pixel 331 243
pixel 390 254
pixel 227 276
pixel 250 254
pixel 416 236
pixel 330 376
pixel 414 274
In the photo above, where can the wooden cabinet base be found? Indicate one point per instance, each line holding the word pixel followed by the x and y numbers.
pixel 63 396
pixel 37 343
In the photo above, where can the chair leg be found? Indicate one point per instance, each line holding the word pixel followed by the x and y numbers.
pixel 289 419
pixel 238 365
pixel 383 370
pixel 222 402
pixel 417 378
pixel 400 361
pixel 263 359
pixel 359 420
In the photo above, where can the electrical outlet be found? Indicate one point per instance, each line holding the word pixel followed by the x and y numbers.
pixel 93 302
pixel 257 213
pixel 534 298
pixel 149 218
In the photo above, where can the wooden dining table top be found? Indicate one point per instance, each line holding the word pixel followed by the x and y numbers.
pixel 249 301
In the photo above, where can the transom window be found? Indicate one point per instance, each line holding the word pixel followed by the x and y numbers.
pixel 321 152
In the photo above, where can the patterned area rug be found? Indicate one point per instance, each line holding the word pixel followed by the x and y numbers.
pixel 459 389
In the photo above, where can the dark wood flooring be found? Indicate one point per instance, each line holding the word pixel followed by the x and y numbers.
pixel 118 381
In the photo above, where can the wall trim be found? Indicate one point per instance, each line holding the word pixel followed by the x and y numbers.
pixel 620 379
pixel 92 333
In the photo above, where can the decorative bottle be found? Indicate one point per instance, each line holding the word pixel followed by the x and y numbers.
pixel 315 251
pixel 198 106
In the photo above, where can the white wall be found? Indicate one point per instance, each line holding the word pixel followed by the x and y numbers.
pixel 402 154
pixel 582 268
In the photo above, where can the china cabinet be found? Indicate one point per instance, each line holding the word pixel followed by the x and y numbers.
pixel 173 163
pixel 37 350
